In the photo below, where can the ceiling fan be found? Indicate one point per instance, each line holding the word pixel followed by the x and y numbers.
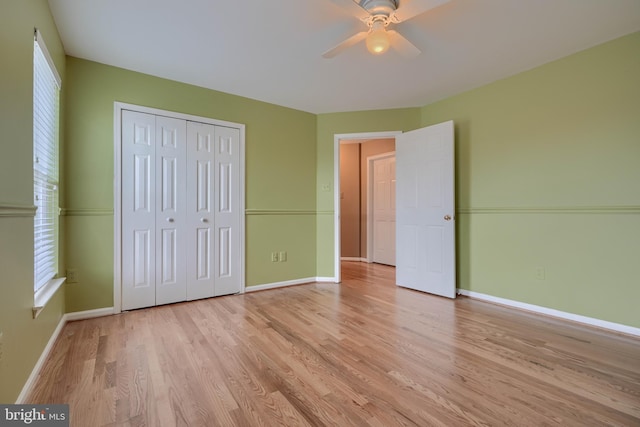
pixel 379 15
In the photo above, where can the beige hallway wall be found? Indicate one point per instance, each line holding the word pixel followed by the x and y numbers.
pixel 350 200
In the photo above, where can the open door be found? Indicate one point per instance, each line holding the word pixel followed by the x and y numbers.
pixel 425 233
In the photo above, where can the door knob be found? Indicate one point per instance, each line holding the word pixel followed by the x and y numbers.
pixel 169 219
pixel 204 220
pixel 447 217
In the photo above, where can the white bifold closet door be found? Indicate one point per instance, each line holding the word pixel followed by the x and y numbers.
pixel 180 219
pixel 213 183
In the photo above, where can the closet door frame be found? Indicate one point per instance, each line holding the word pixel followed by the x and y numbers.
pixel 117 190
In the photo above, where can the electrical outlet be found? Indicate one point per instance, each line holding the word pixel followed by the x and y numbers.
pixel 540 273
pixel 283 256
pixel 326 188
pixel 72 275
pixel 274 256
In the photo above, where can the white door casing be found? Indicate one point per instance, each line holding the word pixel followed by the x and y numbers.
pixel 171 190
pixel 425 240
pixel 383 210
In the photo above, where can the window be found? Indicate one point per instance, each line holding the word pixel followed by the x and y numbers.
pixel 46 99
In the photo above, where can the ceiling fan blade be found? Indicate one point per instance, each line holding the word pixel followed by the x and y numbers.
pixel 402 45
pixel 415 8
pixel 356 38
pixel 352 8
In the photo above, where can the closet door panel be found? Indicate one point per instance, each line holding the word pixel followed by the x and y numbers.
pixel 138 210
pixel 227 215
pixel 200 215
pixel 170 220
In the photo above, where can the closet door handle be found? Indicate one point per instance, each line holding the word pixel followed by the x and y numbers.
pixel 204 220
pixel 169 219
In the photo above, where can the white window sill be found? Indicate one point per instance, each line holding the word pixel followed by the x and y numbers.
pixel 45 293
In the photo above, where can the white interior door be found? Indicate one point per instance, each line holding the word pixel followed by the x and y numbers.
pixel 153 210
pixel 138 210
pixel 228 213
pixel 425 240
pixel 213 205
pixel 384 210
pixel 200 213
pixel 171 139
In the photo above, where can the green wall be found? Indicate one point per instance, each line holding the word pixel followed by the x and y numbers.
pixel 548 176
pixel 280 175
pixel 401 119
pixel 24 337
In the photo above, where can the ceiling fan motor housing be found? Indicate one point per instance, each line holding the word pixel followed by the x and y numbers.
pixel 379 7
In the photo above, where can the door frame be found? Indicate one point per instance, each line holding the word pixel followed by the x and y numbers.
pixel 337 138
pixel 370 180
pixel 118 107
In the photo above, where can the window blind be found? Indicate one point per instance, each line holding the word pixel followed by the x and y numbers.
pixel 46 96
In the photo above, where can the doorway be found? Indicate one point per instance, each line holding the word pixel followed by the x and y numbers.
pixel 367 197
pixel 361 146
pixel 425 222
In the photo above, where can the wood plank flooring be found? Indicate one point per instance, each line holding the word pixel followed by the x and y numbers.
pixel 362 353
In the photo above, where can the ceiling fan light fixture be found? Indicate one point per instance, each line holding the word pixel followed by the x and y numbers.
pixel 378 40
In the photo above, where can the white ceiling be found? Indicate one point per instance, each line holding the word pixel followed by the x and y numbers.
pixel 271 50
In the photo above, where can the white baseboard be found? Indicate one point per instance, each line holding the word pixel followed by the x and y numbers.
pixel 89 314
pixel 67 317
pixel 43 357
pixel 617 327
pixel 357 259
pixel 279 284
pixel 288 283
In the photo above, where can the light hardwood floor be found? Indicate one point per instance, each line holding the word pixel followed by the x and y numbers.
pixel 363 353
